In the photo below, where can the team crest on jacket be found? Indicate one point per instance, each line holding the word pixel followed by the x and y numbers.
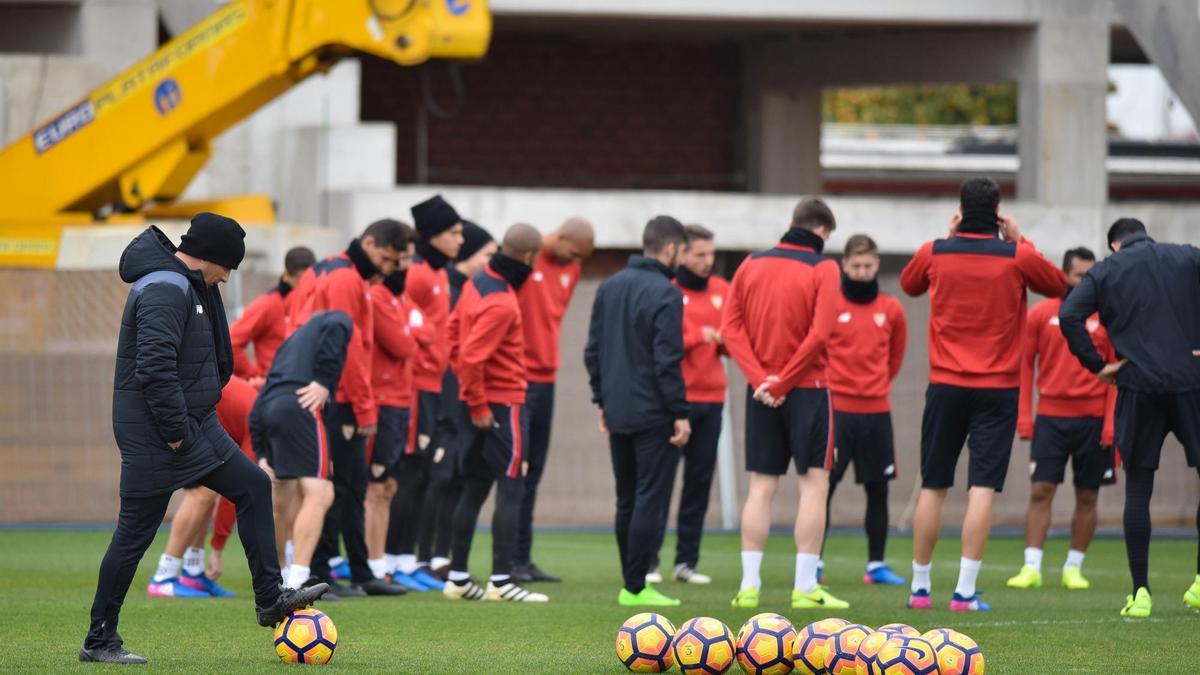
pixel 1054 320
pixel 880 318
pixel 1093 325
pixel 717 301
pixel 538 276
pixel 685 299
pixel 565 280
pixel 199 309
pixel 844 317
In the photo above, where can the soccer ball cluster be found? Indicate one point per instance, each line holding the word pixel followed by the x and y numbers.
pixel 768 644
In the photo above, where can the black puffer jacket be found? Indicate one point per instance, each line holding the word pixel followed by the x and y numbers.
pixel 173 358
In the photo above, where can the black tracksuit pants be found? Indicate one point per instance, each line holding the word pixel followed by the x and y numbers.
pixel 346 515
pixel 539 401
pixel 699 463
pixel 240 481
pixel 644 469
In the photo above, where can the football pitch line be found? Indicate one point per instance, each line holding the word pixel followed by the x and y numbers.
pixel 1064 622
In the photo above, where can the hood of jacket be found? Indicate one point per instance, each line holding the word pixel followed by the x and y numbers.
pixel 152 251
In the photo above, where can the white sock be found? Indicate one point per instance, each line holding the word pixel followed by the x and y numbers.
pixel 968 572
pixel 920 580
pixel 507 578
pixel 406 563
pixel 806 572
pixel 458 576
pixel 875 564
pixel 193 561
pixel 289 553
pixel 1033 558
pixel 168 567
pixel 1074 559
pixel 439 562
pixel 392 562
pixel 751 565
pixel 297 575
pixel 378 567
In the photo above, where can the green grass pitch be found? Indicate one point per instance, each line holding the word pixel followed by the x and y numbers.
pixel 47 579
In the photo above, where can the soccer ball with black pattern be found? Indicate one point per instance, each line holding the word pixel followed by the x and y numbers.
pixel 902 655
pixel 765 643
pixel 866 661
pixel 306 636
pixel 899 629
pixel 704 645
pixel 644 643
pixel 843 648
pixel 957 654
pixel 811 648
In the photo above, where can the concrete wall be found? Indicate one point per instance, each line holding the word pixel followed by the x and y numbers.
pixel 747 222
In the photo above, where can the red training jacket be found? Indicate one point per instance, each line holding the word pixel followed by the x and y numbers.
pixel 490 345
pixel 263 324
pixel 233 411
pixel 544 298
pixel 779 315
pixel 865 353
pixel 334 283
pixel 429 289
pixel 1065 388
pixel 977 287
pixel 703 372
pixel 395 348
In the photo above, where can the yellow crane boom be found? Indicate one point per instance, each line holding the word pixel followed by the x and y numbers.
pixel 140 138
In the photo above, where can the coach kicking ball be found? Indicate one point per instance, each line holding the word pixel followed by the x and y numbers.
pixel 173 358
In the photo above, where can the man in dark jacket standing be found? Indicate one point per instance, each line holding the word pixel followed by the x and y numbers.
pixel 173 357
pixel 1148 296
pixel 633 357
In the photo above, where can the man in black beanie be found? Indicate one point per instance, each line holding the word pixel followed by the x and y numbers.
pixel 440 237
pixel 445 481
pixel 173 358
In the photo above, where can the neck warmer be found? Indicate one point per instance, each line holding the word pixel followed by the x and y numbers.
pixel 366 269
pixel 431 255
pixel 798 236
pixel 690 280
pixel 860 292
pixel 979 221
pixel 283 288
pixel 513 271
pixel 395 281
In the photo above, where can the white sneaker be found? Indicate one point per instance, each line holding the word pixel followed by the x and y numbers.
pixel 511 592
pixel 653 576
pixel 688 575
pixel 467 591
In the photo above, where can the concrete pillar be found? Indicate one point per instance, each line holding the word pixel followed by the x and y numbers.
pixel 783 139
pixel 1063 139
pixel 116 33
pixel 1169 32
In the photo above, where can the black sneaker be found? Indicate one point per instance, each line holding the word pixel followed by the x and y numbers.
pixel 290 600
pixel 348 591
pixel 537 574
pixel 380 587
pixel 110 655
pixel 522 574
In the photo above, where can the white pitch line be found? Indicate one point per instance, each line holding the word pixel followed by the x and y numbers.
pixel 1062 622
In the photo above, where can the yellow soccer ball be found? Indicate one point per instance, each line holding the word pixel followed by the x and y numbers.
pixel 704 645
pixel 765 644
pixel 306 636
pixel 644 643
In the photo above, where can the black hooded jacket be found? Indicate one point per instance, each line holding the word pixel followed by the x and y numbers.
pixel 173 358
pixel 1148 297
pixel 634 351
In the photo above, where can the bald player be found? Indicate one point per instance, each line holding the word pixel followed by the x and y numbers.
pixel 488 344
pixel 543 303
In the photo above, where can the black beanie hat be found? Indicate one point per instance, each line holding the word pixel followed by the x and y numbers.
pixel 216 239
pixel 474 238
pixel 434 216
